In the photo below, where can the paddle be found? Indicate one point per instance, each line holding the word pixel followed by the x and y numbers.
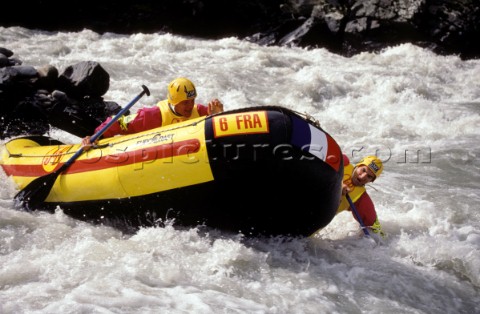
pixel 37 190
pixel 355 212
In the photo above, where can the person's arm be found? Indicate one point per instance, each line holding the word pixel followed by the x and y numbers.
pixel 366 210
pixel 86 143
pixel 345 188
pixel 214 106
pixel 112 131
pixel 144 119
pixel 202 110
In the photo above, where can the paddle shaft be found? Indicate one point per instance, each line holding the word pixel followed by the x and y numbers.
pixel 119 114
pixel 355 212
pixel 97 135
pixel 37 191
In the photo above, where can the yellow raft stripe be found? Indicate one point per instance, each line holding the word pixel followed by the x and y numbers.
pixel 143 177
pixel 139 177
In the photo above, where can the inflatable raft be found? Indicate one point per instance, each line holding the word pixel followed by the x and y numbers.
pixel 260 170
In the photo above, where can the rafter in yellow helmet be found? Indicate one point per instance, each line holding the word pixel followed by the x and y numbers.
pixel 181 89
pixel 373 163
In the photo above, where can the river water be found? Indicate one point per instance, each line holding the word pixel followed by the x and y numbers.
pixel 418 111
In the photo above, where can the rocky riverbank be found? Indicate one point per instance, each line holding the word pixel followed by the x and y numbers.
pixel 34 99
pixel 345 27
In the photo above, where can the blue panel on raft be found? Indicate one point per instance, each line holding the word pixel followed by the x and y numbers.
pixel 301 135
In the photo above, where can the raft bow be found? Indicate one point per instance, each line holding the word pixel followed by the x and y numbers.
pixel 259 170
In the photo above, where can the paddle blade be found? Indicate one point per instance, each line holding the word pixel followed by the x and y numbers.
pixel 36 192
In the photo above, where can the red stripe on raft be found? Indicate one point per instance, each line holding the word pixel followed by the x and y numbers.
pixel 25 170
pixel 334 153
pixel 144 155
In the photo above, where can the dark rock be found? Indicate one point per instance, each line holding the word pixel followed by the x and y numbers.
pixel 26 118
pixel 4 61
pixel 31 104
pixel 15 61
pixel 18 73
pixel 6 52
pixel 16 83
pixel 86 78
pixel 79 117
pixel 47 77
pixel 453 26
pixel 344 26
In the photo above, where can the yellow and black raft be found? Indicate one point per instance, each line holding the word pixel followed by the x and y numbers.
pixel 259 170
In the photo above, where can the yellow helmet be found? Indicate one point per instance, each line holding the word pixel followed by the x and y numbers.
pixel 181 89
pixel 373 163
